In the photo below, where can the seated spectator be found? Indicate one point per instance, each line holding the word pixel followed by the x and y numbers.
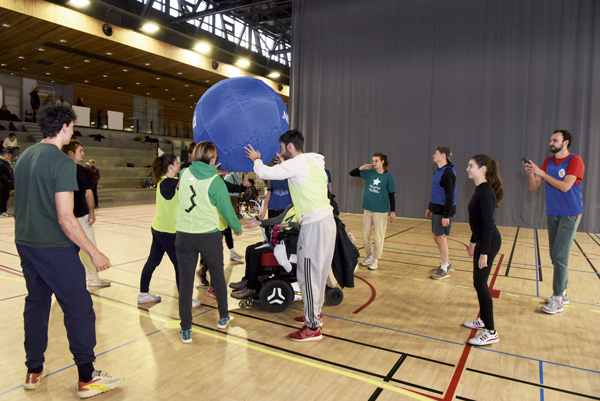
pixel 11 143
pixel 62 102
pixel 80 102
pixel 251 193
pixel 5 113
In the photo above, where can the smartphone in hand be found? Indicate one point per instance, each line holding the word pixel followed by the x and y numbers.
pixel 526 160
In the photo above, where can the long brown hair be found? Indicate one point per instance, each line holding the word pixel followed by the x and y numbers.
pixel 492 175
pixel 160 166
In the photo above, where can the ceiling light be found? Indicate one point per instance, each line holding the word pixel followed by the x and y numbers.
pixel 119 87
pixel 274 75
pixel 149 27
pixel 138 83
pixel 21 58
pixel 242 63
pixel 47 73
pixel 62 41
pixel 86 61
pixel 105 76
pixel 125 70
pixel 147 64
pixel 147 93
pixel 202 47
pixel 191 95
pixel 186 85
pixel 207 81
pixel 67 67
pixel 24 68
pixel 52 81
pixel 41 50
pixel 166 90
pixel 158 78
pixel 179 73
pixel 79 3
pixel 5 25
pixel 172 98
pixel 108 53
pixel 86 81
pixel 2 65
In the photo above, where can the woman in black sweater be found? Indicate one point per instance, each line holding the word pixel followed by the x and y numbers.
pixel 485 241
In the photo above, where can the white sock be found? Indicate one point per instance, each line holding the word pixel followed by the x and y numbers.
pixel 444 266
pixel 231 251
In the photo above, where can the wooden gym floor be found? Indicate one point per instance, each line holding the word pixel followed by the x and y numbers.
pixel 396 336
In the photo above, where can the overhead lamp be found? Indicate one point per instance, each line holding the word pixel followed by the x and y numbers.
pixel 79 3
pixel 202 47
pixel 242 63
pixel 274 75
pixel 150 27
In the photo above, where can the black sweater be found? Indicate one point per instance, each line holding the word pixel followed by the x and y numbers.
pixel 481 216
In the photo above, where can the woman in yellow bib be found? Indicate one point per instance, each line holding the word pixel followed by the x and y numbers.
pixel 204 211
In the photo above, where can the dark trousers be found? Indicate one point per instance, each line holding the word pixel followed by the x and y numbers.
pixel 56 271
pixel 4 195
pixel 161 243
pixel 480 280
pixel 95 192
pixel 228 237
pixel 253 267
pixel 188 246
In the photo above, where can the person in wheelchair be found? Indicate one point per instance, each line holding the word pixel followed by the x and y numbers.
pixel 251 193
pixel 287 221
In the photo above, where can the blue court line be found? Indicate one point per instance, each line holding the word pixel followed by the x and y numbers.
pixel 597 236
pixel 541 381
pixel 102 353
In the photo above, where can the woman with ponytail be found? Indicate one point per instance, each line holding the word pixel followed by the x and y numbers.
pixel 485 241
pixel 164 172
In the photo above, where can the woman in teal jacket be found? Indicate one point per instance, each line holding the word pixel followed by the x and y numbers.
pixel 204 211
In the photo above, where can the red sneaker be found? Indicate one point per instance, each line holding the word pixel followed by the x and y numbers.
pixel 300 320
pixel 32 380
pixel 210 292
pixel 306 334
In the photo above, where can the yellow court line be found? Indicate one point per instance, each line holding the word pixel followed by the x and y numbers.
pixel 10 278
pixel 393 275
pixel 512 295
pixel 594 310
pixel 418 279
pixel 221 337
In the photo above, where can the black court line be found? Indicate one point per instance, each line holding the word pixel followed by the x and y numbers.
pixel 387 378
pixel 464 398
pixel 399 232
pixel 512 252
pixel 594 239
pixel 534 384
pixel 539 258
pixel 586 258
pixel 300 354
pixel 16 296
pixel 10 253
pixel 13 269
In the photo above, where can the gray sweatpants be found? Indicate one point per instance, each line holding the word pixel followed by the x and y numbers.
pixel 316 244
pixel 188 246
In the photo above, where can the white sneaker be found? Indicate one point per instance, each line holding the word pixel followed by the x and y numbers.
pixel 373 265
pixel 484 338
pixel 196 303
pixel 553 307
pixel 475 324
pixel 368 260
pixel 5 214
pixel 236 257
pixel 100 383
pixel 98 282
pixel 146 298
pixel 565 299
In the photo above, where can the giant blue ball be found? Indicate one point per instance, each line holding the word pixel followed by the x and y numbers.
pixel 237 112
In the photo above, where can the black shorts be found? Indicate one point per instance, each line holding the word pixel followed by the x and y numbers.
pixel 436 225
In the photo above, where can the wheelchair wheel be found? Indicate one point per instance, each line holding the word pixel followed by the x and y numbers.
pixel 250 210
pixel 276 295
pixel 334 296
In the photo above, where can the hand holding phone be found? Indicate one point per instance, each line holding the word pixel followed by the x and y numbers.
pixel 526 160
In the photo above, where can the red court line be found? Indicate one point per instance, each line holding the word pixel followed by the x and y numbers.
pixel 11 272
pixel 460 242
pixel 465 354
pixel 373 294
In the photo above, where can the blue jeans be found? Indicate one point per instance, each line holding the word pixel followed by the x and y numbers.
pixel 561 233
pixel 56 271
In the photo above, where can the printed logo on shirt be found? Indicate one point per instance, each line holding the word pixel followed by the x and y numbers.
pixel 374 187
pixel 561 173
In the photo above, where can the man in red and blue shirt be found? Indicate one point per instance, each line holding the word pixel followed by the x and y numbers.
pixel 563 174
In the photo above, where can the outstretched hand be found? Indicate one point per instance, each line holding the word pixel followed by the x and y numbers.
pixel 251 153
